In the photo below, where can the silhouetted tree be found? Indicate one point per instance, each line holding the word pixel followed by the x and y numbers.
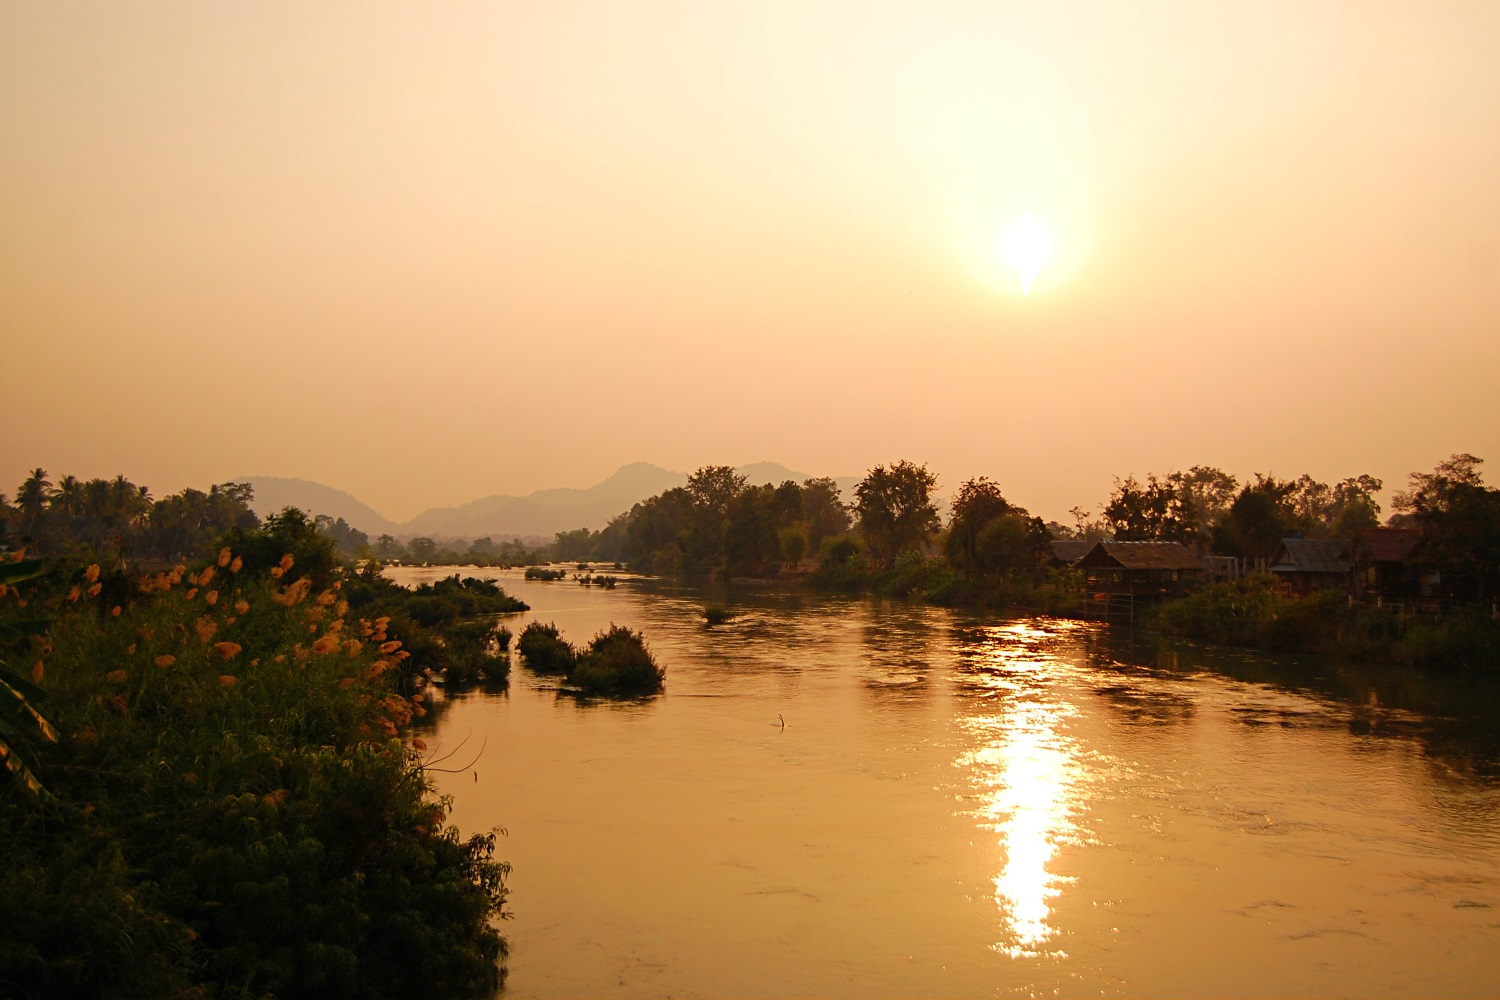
pixel 1459 518
pixel 896 512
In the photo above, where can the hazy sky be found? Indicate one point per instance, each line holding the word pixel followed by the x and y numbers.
pixel 428 252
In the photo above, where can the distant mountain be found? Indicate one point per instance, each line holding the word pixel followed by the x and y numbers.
pixel 547 512
pixel 272 493
pixel 542 513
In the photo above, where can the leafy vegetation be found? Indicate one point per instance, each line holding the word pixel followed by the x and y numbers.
pixel 22 725
pixel 233 811
pixel 545 650
pixel 719 524
pixel 717 614
pixel 450 627
pixel 1260 611
pixel 616 662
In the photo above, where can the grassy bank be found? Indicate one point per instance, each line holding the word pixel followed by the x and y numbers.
pixel 230 809
pixel 1257 611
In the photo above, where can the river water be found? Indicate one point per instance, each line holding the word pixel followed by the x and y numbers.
pixel 968 806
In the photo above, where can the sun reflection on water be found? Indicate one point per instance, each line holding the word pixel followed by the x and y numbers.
pixel 1026 770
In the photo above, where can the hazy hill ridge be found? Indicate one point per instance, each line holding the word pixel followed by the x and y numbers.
pixel 544 512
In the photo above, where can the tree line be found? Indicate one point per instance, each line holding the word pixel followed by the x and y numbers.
pixel 721 525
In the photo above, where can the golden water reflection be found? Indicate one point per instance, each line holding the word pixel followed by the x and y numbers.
pixel 1026 771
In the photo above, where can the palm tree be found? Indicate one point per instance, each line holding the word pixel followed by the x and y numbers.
pixel 31 498
pixel 66 499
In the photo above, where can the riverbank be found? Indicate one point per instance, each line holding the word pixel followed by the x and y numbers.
pixel 1255 612
pixel 1258 612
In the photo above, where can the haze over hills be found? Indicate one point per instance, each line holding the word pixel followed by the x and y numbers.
pixel 542 513
pixel 272 493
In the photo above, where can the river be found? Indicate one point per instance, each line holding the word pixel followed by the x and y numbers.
pixel 838 798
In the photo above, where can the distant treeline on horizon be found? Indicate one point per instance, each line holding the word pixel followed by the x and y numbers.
pixel 719 522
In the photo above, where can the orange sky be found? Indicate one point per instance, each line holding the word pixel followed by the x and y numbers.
pixel 426 253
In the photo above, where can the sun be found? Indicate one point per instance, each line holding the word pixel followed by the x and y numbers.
pixel 1025 246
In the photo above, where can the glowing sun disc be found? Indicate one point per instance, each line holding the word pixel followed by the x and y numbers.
pixel 1025 246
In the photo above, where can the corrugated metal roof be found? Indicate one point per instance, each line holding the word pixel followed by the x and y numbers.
pixel 1312 555
pixel 1070 550
pixel 1142 555
pixel 1386 544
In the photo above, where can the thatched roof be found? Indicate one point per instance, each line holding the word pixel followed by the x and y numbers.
pixel 1142 555
pixel 1312 555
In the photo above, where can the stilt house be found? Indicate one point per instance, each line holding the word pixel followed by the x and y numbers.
pixel 1120 575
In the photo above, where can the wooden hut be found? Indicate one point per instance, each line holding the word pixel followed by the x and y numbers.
pixel 1120 575
pixel 1309 564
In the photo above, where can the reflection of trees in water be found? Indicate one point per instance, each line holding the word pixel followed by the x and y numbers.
pixel 1448 715
pixel 1150 694
pixel 897 659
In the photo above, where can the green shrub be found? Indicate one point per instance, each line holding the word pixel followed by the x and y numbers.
pixel 235 812
pixel 617 662
pixel 476 653
pixel 840 566
pixel 913 575
pixel 432 611
pixel 1467 638
pixel 545 650
pixel 717 614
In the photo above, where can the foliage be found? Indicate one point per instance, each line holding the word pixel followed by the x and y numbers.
pixel 22 725
pixel 545 650
pixel 290 532
pixel 235 815
pixel 841 565
pixel 823 511
pixel 717 614
pixel 113 519
pixel 712 487
pixel 478 652
pixel 719 524
pixel 1205 507
pixel 544 574
pixel 345 537
pixel 1258 610
pixel 1257 520
pixel 895 509
pixel 446 624
pixel 1460 522
pixel 914 575
pixel 1467 638
pixel 989 536
pixel 617 662
pixel 1180 507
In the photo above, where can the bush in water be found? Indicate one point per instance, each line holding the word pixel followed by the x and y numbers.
pixel 545 650
pixel 617 662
